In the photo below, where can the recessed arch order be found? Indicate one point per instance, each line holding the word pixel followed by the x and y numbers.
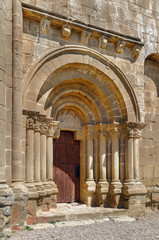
pixel 84 77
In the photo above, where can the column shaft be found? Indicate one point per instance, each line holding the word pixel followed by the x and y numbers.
pixel 136 159
pixel 50 158
pixel 115 158
pixel 102 157
pixel 90 159
pixel 43 157
pixel 37 155
pixel 30 155
pixel 130 162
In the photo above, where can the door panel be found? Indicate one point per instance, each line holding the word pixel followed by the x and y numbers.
pixel 66 166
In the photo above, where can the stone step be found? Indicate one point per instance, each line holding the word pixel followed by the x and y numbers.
pixel 78 213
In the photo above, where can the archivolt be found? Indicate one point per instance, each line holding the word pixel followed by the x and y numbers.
pixel 79 76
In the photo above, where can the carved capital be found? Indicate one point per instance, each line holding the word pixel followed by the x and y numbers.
pixel 43 128
pixel 30 123
pixel 134 129
pixel 37 126
pixel 120 47
pixel 51 130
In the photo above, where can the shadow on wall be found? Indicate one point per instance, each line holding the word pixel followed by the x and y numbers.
pixel 151 69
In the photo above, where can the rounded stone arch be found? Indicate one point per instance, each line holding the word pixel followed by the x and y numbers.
pixel 151 69
pixel 90 66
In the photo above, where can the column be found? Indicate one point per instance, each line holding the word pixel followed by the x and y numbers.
pixel 52 126
pixel 130 159
pixel 43 156
pixel 133 190
pixel 115 157
pixel 102 156
pixel 44 129
pixel 38 184
pixel 89 158
pixel 136 160
pixel 30 150
pixel 102 186
pixel 115 186
pixel 30 158
pixel 90 187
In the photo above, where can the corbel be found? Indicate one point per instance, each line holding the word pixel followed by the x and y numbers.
pixel 66 30
pixel 120 46
pixel 103 42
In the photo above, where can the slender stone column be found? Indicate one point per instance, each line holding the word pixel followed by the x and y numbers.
pixel 136 160
pixel 90 183
pixel 102 186
pixel 133 188
pixel 30 150
pixel 44 129
pixel 52 126
pixel 102 156
pixel 115 186
pixel 39 186
pixel 89 159
pixel 115 157
pixel 30 158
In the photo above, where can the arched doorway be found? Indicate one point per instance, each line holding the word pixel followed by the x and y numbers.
pixel 66 168
pixel 86 93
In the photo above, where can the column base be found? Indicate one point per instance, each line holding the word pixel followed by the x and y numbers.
pixel 114 195
pixel 40 189
pixel 19 208
pixel 88 193
pixel 6 202
pixel 53 197
pixel 101 193
pixel 32 191
pixel 134 196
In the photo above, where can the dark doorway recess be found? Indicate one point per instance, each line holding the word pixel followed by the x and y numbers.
pixel 66 167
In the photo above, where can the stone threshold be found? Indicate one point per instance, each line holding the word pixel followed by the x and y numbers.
pixel 71 212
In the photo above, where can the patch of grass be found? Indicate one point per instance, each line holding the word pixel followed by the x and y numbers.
pixel 54 222
pixel 29 228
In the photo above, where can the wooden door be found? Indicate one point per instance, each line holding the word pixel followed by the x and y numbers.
pixel 66 167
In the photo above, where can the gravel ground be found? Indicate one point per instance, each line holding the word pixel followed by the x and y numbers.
pixel 143 228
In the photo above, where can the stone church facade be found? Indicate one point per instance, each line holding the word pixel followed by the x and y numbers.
pixel 79 106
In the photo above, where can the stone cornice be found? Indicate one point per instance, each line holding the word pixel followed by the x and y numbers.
pixel 86 31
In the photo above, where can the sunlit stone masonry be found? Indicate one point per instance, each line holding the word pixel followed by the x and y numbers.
pixel 79 106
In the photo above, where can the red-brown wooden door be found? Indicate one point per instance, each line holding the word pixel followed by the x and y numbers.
pixel 66 167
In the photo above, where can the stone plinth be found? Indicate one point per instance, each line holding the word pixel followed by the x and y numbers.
pixel 134 196
pixel 101 193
